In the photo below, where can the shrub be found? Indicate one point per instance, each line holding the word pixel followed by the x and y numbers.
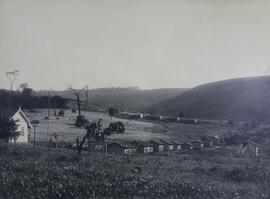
pixel 8 129
pixel 117 127
pixel 81 121
pixel 112 111
pixel 61 113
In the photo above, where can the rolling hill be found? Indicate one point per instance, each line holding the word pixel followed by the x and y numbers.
pixel 238 99
pixel 128 99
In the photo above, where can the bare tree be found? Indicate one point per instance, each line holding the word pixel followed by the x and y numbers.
pixel 23 86
pixel 77 93
pixel 86 98
pixel 11 77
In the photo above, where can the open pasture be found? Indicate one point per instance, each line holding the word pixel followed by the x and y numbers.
pixel 135 129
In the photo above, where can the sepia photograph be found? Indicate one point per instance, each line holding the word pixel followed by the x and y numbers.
pixel 134 99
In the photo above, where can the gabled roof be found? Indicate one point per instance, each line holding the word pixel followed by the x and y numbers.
pixel 141 143
pixel 156 142
pixel 175 142
pixel 197 141
pixel 124 145
pixel 187 144
pixel 166 142
pixel 7 113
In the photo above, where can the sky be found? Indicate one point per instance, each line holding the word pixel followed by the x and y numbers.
pixel 145 43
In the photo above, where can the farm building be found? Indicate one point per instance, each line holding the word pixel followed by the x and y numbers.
pixel 176 145
pixel 186 147
pixel 187 121
pixel 169 146
pixel 247 149
pixel 158 146
pixel 121 147
pixel 168 119
pixel 215 140
pixel 21 120
pixel 197 144
pixel 125 115
pixel 207 142
pixel 143 147
pixel 151 117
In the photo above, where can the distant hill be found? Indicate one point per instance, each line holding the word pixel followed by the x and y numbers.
pixel 239 99
pixel 128 99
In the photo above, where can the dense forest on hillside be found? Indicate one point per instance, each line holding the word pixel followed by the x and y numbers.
pixel 127 99
pixel 26 100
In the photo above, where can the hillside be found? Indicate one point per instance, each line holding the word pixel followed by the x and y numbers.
pixel 240 99
pixel 131 99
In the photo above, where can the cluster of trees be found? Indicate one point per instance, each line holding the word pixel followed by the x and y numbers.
pixel 28 101
pixel 95 132
pixel 8 129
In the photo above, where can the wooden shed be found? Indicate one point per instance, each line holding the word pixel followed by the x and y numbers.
pixel 176 145
pixel 143 147
pixel 197 144
pixel 151 117
pixel 215 140
pixel 186 147
pixel 207 142
pixel 169 146
pixel 158 146
pixel 121 147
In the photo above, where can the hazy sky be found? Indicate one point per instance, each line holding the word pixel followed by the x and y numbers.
pixel 144 43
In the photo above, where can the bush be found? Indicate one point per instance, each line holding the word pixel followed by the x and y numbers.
pixel 73 110
pixel 61 113
pixel 117 127
pixel 81 121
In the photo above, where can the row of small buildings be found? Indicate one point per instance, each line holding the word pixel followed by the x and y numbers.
pixel 157 118
pixel 158 146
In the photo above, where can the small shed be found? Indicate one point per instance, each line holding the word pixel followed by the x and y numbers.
pixel 197 144
pixel 168 119
pixel 248 148
pixel 207 142
pixel 215 139
pixel 143 147
pixel 186 147
pixel 121 147
pixel 169 146
pixel 176 145
pixel 158 146
pixel 151 117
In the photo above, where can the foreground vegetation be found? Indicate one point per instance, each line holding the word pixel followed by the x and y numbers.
pixel 40 172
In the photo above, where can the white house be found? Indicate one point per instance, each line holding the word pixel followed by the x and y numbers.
pixel 21 120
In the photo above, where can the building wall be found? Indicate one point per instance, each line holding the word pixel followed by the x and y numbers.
pixel 22 128
pixel 115 148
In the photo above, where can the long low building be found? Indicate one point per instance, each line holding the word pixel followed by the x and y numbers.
pixel 118 147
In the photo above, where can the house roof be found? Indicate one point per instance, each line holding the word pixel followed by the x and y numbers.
pixel 197 141
pixel 175 142
pixel 124 145
pixel 7 113
pixel 156 142
pixel 141 143
pixel 187 144
pixel 166 142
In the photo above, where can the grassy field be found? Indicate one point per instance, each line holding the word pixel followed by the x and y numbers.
pixel 43 172
pixel 40 172
pixel 64 126
pixel 135 129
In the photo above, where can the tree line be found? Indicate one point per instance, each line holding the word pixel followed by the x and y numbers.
pixel 26 100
